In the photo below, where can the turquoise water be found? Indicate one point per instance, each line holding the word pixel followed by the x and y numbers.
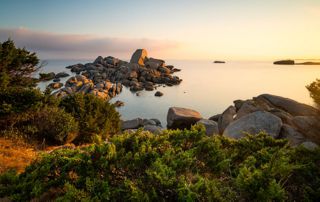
pixel 210 88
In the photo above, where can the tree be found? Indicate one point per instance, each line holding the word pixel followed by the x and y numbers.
pixel 16 65
pixel 314 90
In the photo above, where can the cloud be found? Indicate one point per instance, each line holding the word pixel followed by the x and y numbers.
pixel 53 45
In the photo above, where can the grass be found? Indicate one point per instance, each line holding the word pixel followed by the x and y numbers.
pixel 15 154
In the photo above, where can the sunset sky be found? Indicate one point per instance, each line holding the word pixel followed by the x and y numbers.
pixel 170 29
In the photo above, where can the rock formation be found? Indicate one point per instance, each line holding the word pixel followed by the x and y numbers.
pixel 106 76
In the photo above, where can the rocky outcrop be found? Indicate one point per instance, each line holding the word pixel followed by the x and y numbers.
pixel 292 107
pixel 80 84
pixel 142 73
pixel 211 126
pixel 181 118
pixel 278 116
pixel 254 123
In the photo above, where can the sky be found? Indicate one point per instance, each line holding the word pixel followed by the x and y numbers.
pixel 168 29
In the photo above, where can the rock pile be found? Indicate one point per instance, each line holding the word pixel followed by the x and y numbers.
pixel 81 84
pixel 277 116
pixel 140 73
pixel 106 76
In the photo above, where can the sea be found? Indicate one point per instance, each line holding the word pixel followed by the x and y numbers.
pixel 208 87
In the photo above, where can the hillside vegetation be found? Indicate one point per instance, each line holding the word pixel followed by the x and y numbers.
pixel 175 165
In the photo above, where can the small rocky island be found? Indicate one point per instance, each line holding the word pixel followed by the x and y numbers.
pixel 219 62
pixel 105 77
pixel 292 62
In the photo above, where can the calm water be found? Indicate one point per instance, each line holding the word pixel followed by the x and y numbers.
pixel 210 88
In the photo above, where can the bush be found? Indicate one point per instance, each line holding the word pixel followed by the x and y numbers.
pixel 49 124
pixel 54 125
pixel 17 100
pixel 314 89
pixel 173 166
pixel 95 116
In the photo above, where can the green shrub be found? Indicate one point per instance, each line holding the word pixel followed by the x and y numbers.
pixel 17 100
pixel 49 124
pixel 54 125
pixel 95 116
pixel 173 166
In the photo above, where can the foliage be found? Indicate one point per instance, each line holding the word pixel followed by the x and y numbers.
pixel 50 125
pixel 16 65
pixel 95 116
pixel 17 100
pixel 314 90
pixel 173 166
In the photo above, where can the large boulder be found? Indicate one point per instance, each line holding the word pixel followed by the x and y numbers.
pixel 211 126
pixel 246 108
pixel 309 126
pixel 254 123
pixel 294 137
pixel 291 106
pixel 132 124
pixel 226 118
pixel 139 57
pixel 178 117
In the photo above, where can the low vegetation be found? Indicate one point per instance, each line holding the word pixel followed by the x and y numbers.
pixel 174 166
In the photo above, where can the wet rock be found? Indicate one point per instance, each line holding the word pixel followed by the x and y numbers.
pixel 119 103
pixel 158 94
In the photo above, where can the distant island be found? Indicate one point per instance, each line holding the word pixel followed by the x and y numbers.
pixel 292 62
pixel 219 61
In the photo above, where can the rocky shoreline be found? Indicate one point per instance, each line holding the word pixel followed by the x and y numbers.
pixel 279 117
pixel 105 77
